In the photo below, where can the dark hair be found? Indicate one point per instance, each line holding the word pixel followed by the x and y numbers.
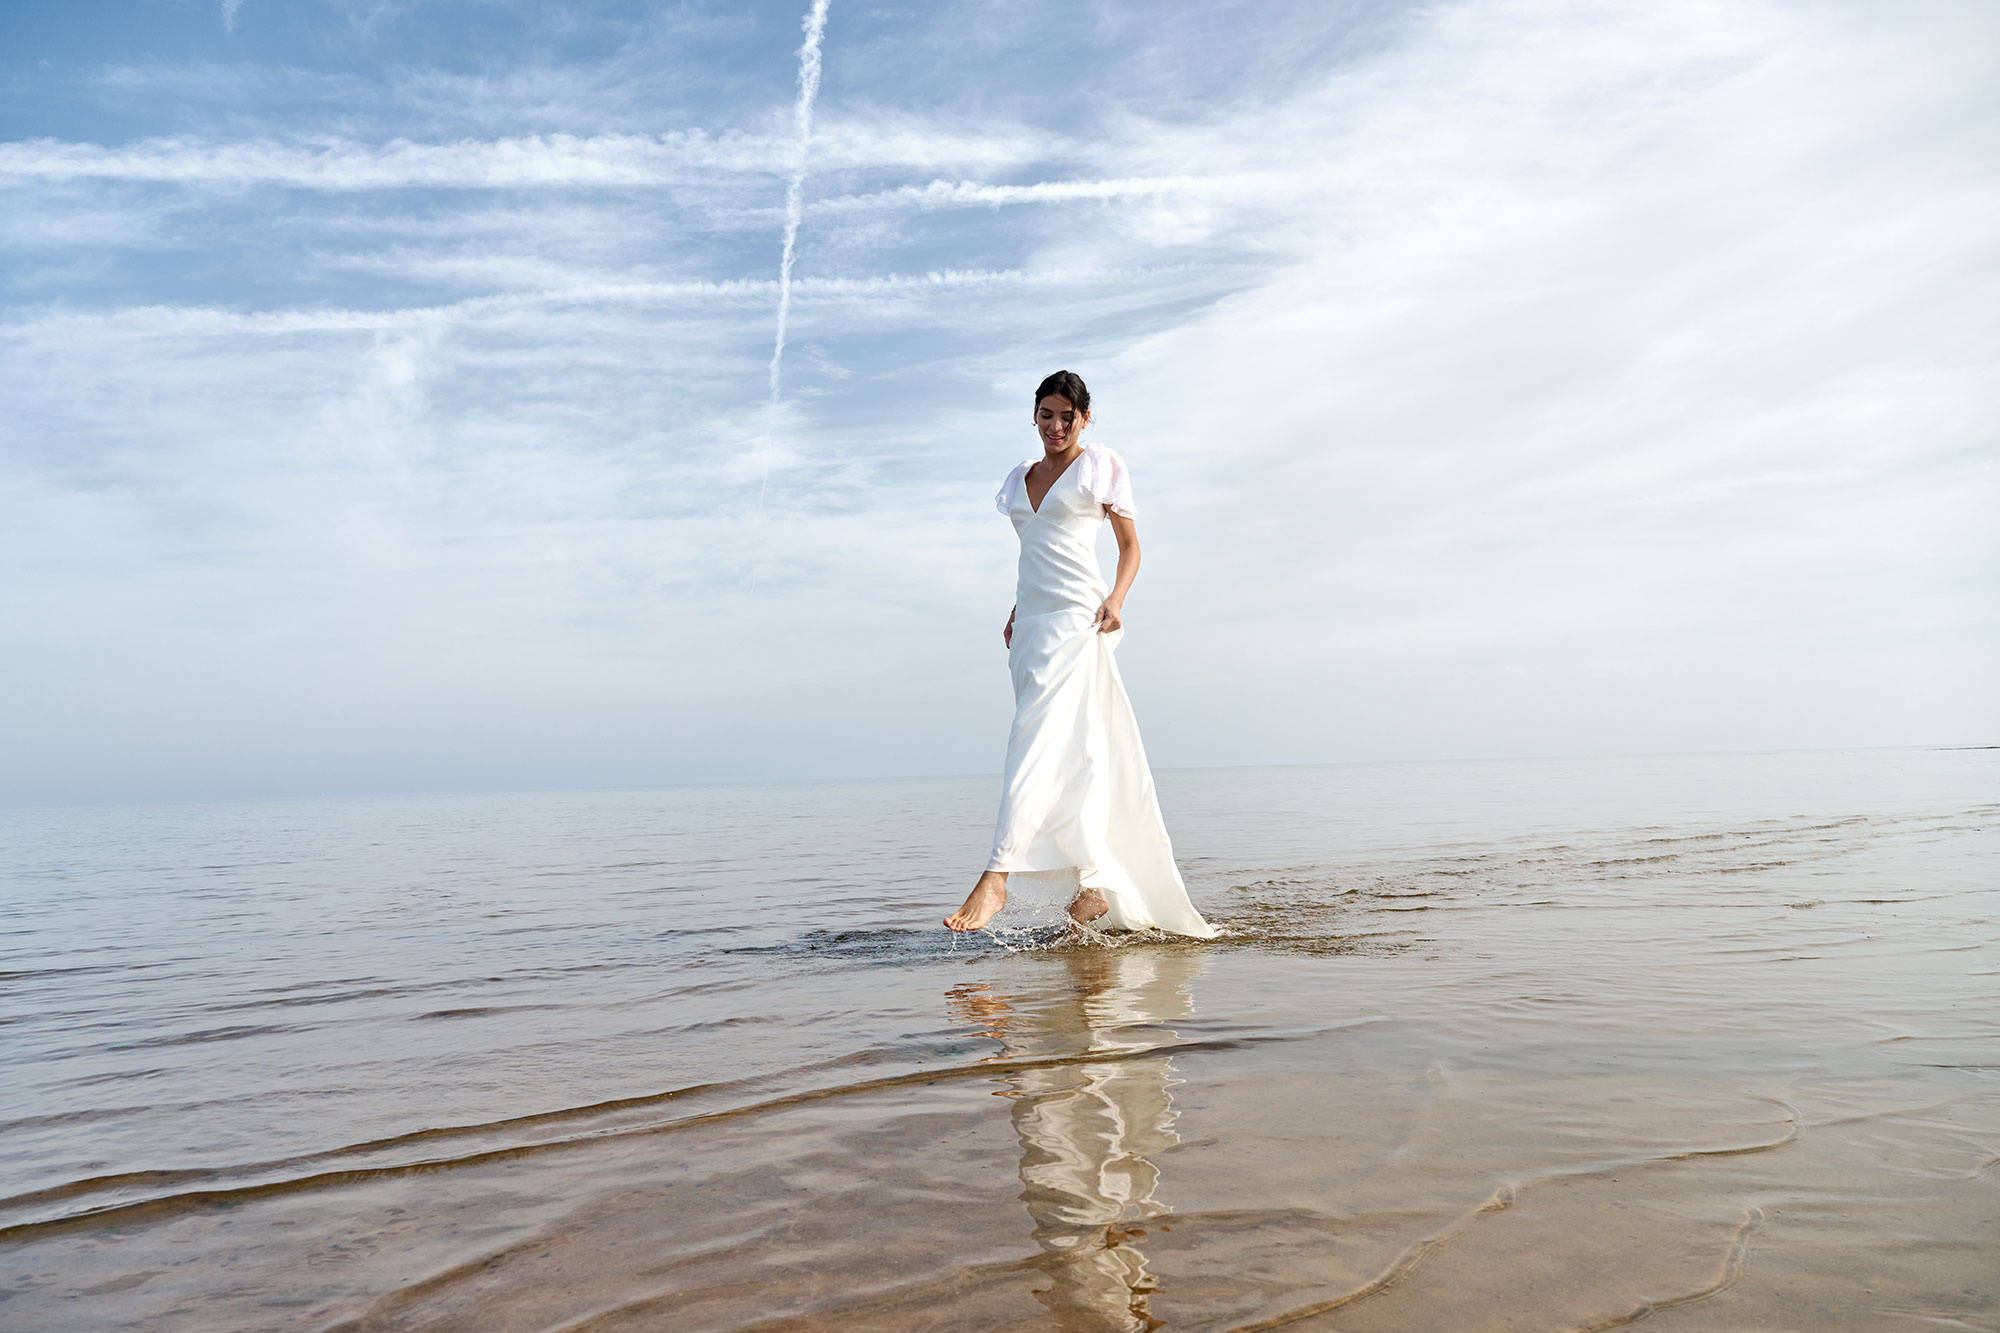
pixel 1070 385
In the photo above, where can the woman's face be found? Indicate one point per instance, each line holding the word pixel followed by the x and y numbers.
pixel 1059 423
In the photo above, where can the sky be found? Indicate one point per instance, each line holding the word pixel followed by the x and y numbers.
pixel 387 386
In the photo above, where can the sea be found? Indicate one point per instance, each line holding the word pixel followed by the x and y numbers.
pixel 1704 1041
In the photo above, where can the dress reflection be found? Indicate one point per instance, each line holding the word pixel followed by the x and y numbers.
pixel 1089 1127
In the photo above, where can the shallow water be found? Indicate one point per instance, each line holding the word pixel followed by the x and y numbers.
pixel 1709 1041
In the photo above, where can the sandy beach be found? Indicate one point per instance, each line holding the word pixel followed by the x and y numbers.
pixel 1556 1045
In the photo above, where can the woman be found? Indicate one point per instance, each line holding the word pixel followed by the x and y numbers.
pixel 1078 798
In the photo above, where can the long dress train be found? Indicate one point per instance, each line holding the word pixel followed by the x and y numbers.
pixel 1078 794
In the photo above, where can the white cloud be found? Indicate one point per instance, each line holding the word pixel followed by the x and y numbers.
pixel 1617 411
pixel 600 160
pixel 549 289
pixel 975 194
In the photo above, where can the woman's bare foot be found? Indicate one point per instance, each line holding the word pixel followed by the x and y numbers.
pixel 988 896
pixel 1088 906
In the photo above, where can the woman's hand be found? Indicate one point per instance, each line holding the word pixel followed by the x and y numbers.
pixel 1108 616
pixel 1007 635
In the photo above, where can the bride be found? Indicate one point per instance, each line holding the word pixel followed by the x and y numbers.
pixel 1078 797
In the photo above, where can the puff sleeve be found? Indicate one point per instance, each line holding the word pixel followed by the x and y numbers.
pixel 1010 488
pixel 1108 481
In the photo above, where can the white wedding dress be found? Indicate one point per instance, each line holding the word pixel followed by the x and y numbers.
pixel 1078 798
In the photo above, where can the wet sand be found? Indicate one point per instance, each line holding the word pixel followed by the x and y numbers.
pixel 1454 1067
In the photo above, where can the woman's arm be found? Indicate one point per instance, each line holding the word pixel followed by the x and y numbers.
pixel 1110 616
pixel 1007 635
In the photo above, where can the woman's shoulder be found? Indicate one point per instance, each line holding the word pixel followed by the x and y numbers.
pixel 1106 463
pixel 1004 500
pixel 1107 479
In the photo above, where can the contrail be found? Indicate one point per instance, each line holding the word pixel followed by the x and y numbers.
pixel 802 119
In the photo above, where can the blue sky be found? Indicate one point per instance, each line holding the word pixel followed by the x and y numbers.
pixel 385 399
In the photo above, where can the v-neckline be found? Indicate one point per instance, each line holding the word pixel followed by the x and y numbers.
pixel 1068 467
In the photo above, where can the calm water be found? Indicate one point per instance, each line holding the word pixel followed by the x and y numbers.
pixel 1709 1041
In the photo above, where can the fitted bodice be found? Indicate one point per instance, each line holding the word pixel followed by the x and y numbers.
pixel 1058 570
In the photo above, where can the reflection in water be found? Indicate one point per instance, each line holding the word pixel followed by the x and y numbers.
pixel 1089 1128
